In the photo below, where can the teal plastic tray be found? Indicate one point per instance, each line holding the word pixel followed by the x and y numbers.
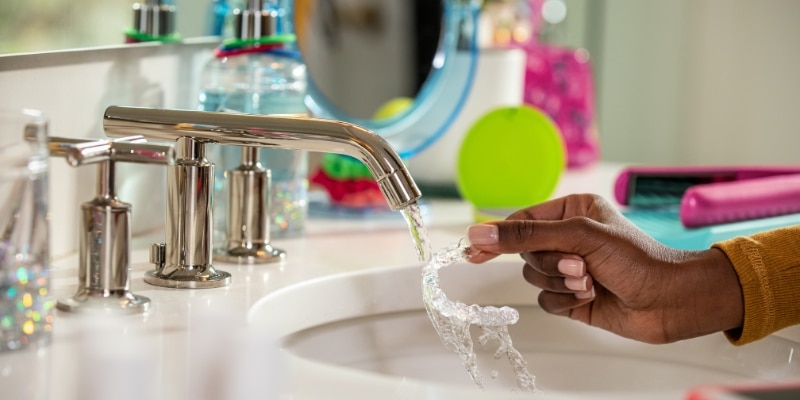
pixel 665 226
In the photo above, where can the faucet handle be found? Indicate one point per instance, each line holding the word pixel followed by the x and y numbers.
pixel 133 149
pixel 59 146
pixel 103 277
pixel 247 238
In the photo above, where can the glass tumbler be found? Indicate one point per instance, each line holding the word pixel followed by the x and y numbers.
pixel 26 318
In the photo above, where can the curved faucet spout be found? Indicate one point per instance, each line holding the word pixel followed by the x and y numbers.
pixel 293 132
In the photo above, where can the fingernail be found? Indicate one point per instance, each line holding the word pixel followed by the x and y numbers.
pixel 589 294
pixel 482 234
pixel 572 267
pixel 577 284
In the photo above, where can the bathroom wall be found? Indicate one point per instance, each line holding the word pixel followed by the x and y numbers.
pixel 73 88
pixel 693 81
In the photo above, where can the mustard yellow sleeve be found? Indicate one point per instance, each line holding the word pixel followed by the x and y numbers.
pixel 768 265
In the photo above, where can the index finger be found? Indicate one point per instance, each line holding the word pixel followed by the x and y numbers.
pixel 520 236
pixel 576 205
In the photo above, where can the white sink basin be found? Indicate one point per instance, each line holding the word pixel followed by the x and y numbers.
pixel 373 324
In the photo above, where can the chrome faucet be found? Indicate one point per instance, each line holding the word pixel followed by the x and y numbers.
pixel 185 260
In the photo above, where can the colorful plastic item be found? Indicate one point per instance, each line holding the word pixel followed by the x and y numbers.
pixel 724 202
pixel 134 36
pixel 665 226
pixel 712 195
pixel 512 157
pixel 347 181
pixel 559 82
pixel 654 185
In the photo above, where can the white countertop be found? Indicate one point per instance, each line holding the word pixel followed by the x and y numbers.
pixel 168 352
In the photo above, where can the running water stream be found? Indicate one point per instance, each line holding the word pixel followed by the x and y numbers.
pixel 452 319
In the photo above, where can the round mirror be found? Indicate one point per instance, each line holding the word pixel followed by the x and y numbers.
pixel 399 68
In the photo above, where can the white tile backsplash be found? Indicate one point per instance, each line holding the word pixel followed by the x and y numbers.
pixel 73 88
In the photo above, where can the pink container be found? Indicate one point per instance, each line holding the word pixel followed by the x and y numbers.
pixel 559 82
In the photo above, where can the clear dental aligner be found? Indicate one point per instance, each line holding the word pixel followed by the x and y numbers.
pixel 452 319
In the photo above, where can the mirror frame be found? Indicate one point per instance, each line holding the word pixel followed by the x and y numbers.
pixel 441 96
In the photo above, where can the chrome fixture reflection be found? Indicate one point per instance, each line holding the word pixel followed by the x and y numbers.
pixel 154 18
pixel 104 283
pixel 185 260
pixel 253 21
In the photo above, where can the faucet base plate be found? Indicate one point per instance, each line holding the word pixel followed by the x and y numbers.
pixel 189 278
pixel 121 302
pixel 259 254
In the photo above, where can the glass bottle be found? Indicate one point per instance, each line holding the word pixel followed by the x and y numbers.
pixel 253 81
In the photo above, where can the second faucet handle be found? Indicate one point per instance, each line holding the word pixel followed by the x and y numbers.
pixel 247 224
pixel 103 276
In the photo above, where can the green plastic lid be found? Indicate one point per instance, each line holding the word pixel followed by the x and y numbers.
pixel 511 158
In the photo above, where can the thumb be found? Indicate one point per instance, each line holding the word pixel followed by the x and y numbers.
pixel 520 236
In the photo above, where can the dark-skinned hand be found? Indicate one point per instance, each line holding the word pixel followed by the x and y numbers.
pixel 593 265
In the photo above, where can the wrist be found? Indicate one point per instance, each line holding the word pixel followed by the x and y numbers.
pixel 714 301
pixel 718 304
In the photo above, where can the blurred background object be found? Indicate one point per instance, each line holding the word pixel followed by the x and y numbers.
pixel 558 78
pixel 679 81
